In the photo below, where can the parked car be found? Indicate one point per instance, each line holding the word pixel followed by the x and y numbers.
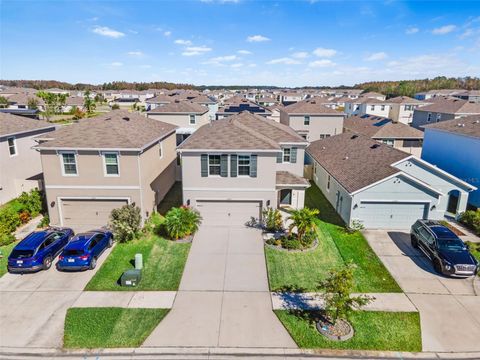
pixel 448 253
pixel 38 250
pixel 84 249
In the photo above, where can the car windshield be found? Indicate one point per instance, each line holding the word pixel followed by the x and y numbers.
pixel 21 254
pixel 73 252
pixel 451 244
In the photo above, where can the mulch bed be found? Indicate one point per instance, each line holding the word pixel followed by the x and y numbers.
pixel 341 331
pixel 280 248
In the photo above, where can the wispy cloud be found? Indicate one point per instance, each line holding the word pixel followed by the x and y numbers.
pixel 300 55
pixel 244 52
pixel 322 52
pixel 321 63
pixel 444 30
pixel 135 53
pixel 219 60
pixel 257 38
pixel 183 42
pixel 284 61
pixel 412 30
pixel 116 64
pixel 376 56
pixel 146 66
pixel 196 50
pixel 167 33
pixel 236 65
pixel 108 32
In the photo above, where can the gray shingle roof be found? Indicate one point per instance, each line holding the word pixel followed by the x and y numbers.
pixel 469 125
pixel 13 124
pixel 355 160
pixel 451 106
pixel 310 107
pixel 181 107
pixel 287 178
pixel 118 129
pixel 378 127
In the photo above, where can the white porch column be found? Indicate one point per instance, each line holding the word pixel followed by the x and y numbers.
pixel 462 202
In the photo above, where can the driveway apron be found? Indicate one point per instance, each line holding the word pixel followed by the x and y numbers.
pixel 223 299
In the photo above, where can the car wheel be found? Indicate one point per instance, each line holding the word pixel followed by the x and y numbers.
pixel 110 242
pixel 414 241
pixel 437 266
pixel 47 263
pixel 93 263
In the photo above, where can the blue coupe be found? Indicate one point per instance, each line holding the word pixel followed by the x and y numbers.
pixel 38 250
pixel 83 251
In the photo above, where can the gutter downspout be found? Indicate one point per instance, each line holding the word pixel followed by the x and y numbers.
pixel 141 188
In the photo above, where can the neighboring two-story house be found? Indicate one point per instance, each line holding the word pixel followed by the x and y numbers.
pixel 382 187
pixel 235 167
pixel 236 105
pixel 370 106
pixel 104 162
pixel 402 108
pixel 312 120
pixel 442 109
pixel 20 166
pixel 186 115
pixel 454 146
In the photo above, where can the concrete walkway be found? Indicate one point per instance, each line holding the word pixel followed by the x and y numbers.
pixel 223 300
pixel 26 229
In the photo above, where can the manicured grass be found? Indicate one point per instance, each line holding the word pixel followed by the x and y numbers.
pixel 303 271
pixel 109 327
pixel 374 330
pixel 163 263
pixel 5 250
pixel 474 249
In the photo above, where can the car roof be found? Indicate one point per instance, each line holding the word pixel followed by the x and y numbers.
pixel 80 239
pixel 440 231
pixel 32 240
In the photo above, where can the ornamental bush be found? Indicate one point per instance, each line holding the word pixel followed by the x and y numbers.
pixel 125 222
pixel 471 219
pixel 272 219
pixel 31 202
pixel 181 222
pixel 9 220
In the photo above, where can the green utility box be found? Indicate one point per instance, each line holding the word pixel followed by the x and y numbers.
pixel 131 277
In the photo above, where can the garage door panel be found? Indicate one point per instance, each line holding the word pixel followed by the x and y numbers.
pixel 228 213
pixel 391 215
pixel 83 214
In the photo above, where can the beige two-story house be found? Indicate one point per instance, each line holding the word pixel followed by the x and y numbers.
pixel 235 167
pixel 312 120
pixel 20 166
pixel 103 163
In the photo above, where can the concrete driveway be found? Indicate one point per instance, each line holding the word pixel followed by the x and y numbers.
pixel 449 307
pixel 224 299
pixel 33 306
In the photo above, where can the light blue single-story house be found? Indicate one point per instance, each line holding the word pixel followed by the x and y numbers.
pixel 454 146
pixel 379 186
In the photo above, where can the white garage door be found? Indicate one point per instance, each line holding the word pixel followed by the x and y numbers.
pixel 383 215
pixel 83 215
pixel 226 213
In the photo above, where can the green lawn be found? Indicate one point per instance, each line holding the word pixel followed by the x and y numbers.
pixel 303 271
pixel 474 249
pixel 109 327
pixel 163 263
pixel 374 330
pixel 5 250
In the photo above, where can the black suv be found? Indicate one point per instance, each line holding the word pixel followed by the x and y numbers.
pixel 448 253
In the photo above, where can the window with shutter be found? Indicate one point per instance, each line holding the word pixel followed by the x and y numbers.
pixel 204 165
pixel 224 165
pixel 293 155
pixel 233 165
pixel 280 157
pixel 253 165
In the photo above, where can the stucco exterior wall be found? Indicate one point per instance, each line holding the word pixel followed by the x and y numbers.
pixel 319 124
pixel 420 118
pixel 181 120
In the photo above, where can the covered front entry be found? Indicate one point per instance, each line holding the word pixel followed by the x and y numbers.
pixel 87 214
pixel 229 213
pixel 391 215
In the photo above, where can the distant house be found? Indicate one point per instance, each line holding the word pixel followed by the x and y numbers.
pixel 236 105
pixel 380 186
pixel 442 109
pixel 206 101
pixel 402 108
pixel 373 95
pixel 21 168
pixel 103 163
pixel 312 120
pixel 395 134
pixel 365 105
pixel 437 93
pixel 289 98
pixel 454 146
pixel 158 100
pixel 235 167
pixel 470 95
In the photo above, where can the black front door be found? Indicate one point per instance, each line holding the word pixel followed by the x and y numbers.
pixel 286 197
pixel 452 203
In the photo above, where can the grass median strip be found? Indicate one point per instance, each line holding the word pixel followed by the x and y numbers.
pixel 109 327
pixel 374 330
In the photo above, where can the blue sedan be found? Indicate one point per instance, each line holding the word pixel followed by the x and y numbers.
pixel 84 249
pixel 38 250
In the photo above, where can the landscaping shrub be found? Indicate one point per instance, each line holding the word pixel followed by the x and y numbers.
pixel 181 222
pixel 6 239
pixel 44 222
pixel 356 225
pixel 291 243
pixel 125 222
pixel 31 202
pixel 471 219
pixel 24 216
pixel 304 220
pixel 272 219
pixel 9 220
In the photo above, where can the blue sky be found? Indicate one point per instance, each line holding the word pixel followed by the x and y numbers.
pixel 284 43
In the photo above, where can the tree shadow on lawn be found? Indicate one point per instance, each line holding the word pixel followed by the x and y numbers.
pixel 294 297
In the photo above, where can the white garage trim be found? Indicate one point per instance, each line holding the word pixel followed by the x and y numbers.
pixel 93 187
pixel 228 189
pixel 396 201
pixel 61 198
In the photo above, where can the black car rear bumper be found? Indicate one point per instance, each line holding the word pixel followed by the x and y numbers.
pixel 21 270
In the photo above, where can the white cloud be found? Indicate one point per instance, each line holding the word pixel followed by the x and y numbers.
pixel 444 30
pixel 135 53
pixel 322 52
pixel 167 33
pixel 244 52
pixel 284 61
pixel 146 66
pixel 300 55
pixel 236 65
pixel 196 50
pixel 412 30
pixel 106 31
pixel 257 38
pixel 116 64
pixel 376 56
pixel 219 60
pixel 321 63
pixel 183 42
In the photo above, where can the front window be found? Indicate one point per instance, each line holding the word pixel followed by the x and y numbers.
pixel 111 164
pixel 69 164
pixel 287 155
pixel 214 164
pixel 439 117
pixel 306 120
pixel 408 107
pixel 244 165
pixel 429 117
pixel 12 147
pixel 388 142
pixel 382 107
pixel 193 120
pixel 372 107
pixel 324 136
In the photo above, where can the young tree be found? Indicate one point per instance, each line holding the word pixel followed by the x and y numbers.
pixel 53 103
pixel 32 103
pixel 305 222
pixel 3 102
pixel 125 222
pixel 88 103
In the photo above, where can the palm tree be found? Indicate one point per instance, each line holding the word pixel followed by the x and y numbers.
pixel 88 102
pixel 305 222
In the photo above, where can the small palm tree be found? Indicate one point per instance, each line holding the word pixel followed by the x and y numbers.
pixel 181 222
pixel 305 222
